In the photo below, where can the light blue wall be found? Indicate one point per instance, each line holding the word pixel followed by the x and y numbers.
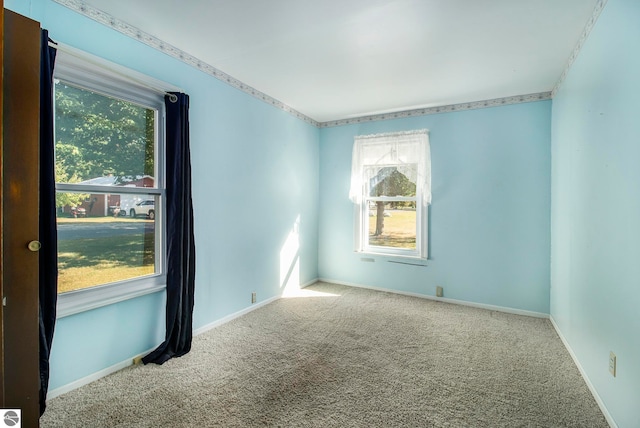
pixel 595 239
pixel 255 174
pixel 257 170
pixel 489 220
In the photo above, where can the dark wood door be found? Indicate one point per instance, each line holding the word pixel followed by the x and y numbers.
pixel 1 132
pixel 20 168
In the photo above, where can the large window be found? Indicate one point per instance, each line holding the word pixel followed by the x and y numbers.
pixel 390 183
pixel 109 145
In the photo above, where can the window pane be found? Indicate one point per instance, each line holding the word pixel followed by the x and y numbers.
pixel 390 180
pixel 102 140
pixel 392 224
pixel 95 248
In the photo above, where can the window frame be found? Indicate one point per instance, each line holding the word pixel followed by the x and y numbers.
pixel 368 248
pixel 361 217
pixel 82 70
pixel 361 238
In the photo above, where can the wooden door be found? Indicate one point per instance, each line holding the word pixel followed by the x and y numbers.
pixel 1 251
pixel 20 169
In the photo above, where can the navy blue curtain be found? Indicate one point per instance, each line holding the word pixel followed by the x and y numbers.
pixel 48 256
pixel 181 254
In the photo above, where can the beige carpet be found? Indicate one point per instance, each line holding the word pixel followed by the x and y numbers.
pixel 349 357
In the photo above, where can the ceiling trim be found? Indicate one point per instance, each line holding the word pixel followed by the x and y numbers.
pixel 104 18
pixel 441 109
pixel 158 44
pixel 583 38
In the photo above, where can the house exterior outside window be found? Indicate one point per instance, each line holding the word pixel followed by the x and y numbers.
pixel 109 169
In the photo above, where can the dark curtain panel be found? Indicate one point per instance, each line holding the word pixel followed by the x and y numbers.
pixel 180 241
pixel 48 263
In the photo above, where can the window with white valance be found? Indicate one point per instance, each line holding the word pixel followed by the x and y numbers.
pixel 391 187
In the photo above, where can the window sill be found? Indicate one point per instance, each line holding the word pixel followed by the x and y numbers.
pixel 392 258
pixel 75 302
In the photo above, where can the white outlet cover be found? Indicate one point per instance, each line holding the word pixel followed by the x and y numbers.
pixel 612 363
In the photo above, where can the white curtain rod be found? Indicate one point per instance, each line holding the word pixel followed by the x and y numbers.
pixel 118 69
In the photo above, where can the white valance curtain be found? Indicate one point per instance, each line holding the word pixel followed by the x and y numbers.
pixel 408 152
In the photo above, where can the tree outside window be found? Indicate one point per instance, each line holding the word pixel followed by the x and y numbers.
pixel 390 185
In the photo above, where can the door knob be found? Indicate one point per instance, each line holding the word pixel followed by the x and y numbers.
pixel 34 246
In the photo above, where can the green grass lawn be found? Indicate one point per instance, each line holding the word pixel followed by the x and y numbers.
pixel 87 262
pixel 399 230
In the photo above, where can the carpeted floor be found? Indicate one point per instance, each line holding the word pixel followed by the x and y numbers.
pixel 349 357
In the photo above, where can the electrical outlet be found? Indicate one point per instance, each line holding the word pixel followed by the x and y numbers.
pixel 439 291
pixel 612 363
pixel 253 297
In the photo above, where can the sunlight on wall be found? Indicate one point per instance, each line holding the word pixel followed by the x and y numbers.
pixel 290 267
pixel 290 261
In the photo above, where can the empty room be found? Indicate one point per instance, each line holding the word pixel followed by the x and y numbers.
pixel 367 213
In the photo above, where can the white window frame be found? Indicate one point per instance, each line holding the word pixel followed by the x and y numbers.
pixel 394 251
pixel 360 195
pixel 80 69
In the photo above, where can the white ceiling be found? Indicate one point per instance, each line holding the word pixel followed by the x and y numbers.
pixel 337 59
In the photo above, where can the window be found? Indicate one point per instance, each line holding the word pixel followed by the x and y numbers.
pixel 391 187
pixel 109 168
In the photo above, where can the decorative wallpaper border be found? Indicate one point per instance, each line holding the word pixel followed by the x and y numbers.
pixel 154 42
pixel 441 109
pixel 583 38
pixel 393 134
pixel 104 18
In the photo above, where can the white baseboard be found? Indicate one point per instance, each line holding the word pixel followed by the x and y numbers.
pixel 233 316
pixel 94 376
pixel 244 311
pixel 308 283
pixel 593 390
pixel 129 361
pixel 443 299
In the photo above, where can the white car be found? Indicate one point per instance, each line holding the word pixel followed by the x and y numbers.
pixel 146 208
